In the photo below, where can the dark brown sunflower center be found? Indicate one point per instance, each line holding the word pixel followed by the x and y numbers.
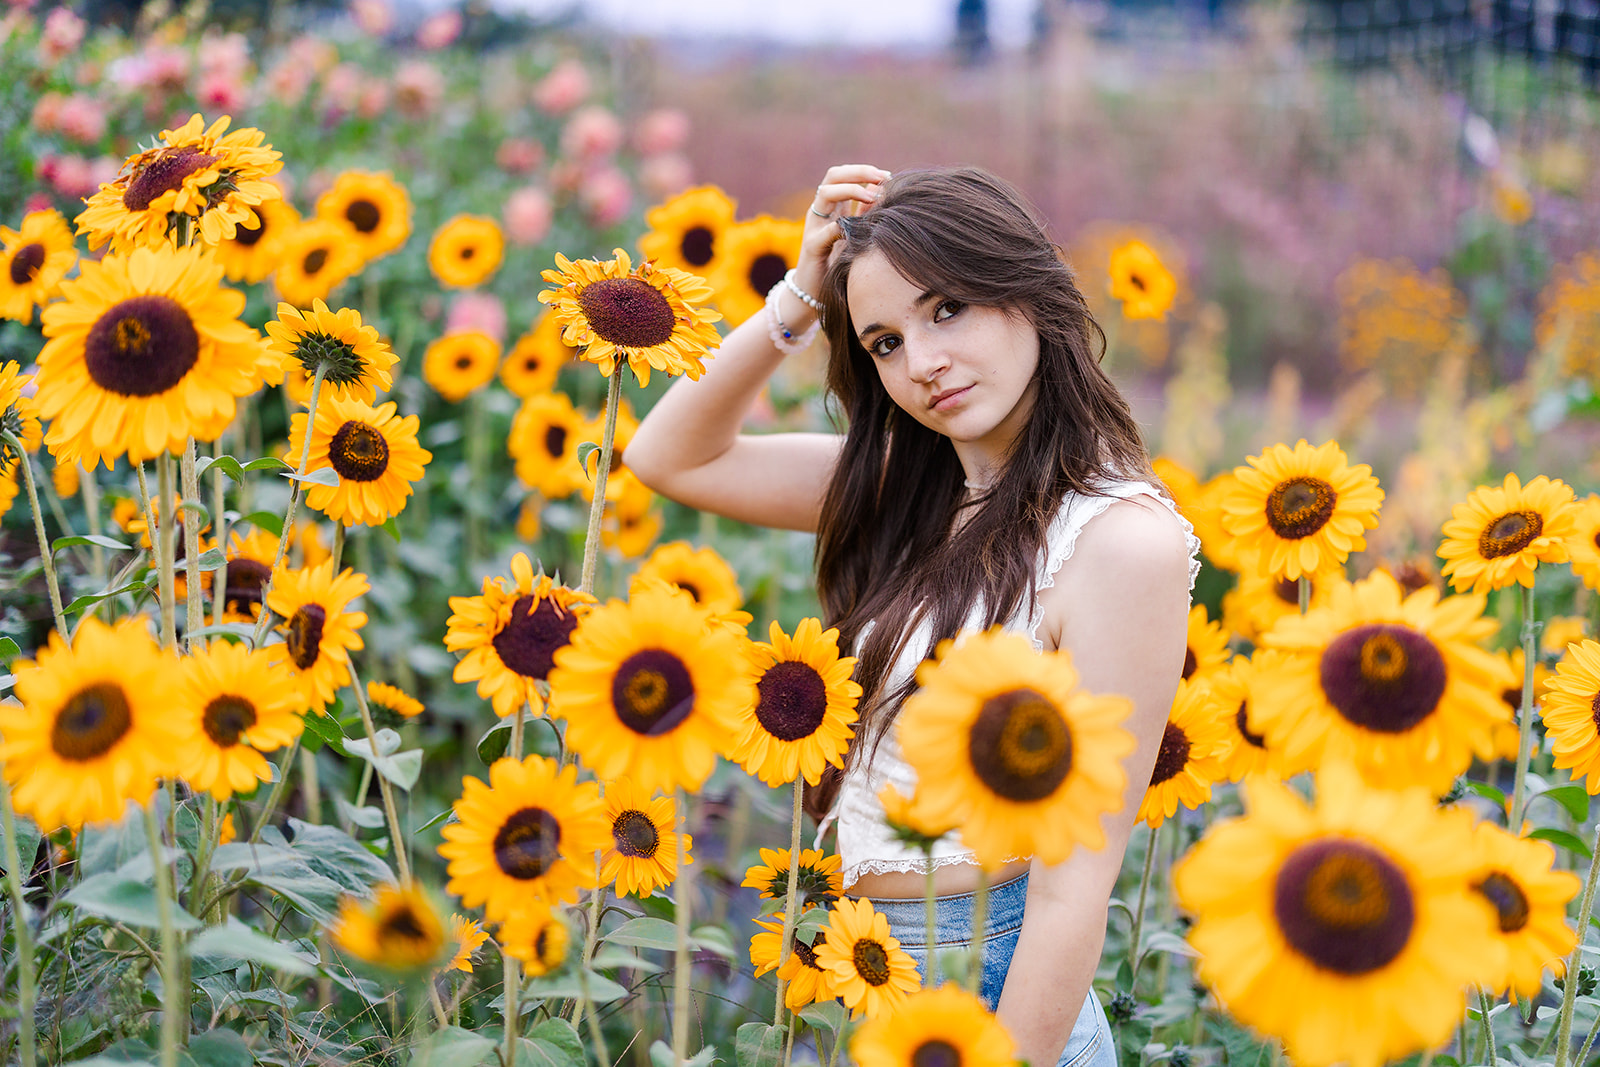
pixel 1383 677
pixel 1299 507
pixel 813 886
pixel 697 246
pixel 1287 590
pixel 466 252
pixel 652 692
pixel 1510 533
pixel 635 834
pixel 791 700
pixel 1343 905
pixel 1020 746
pixel 1136 281
pixel 547 949
pixel 528 844
pixel 628 312
pixel 528 642
pixel 248 235
pixel 1241 719
pixel 91 722
pixel 1189 662
pixel 936 1053
pixel 364 215
pixel 530 364
pixel 163 174
pixel 872 962
pixel 314 261
pixel 1510 902
pixel 246 579
pixel 226 717
pixel 807 953
pixel 1174 755
pixel 359 452
pixel 555 441
pixel 1596 539
pixel 142 346
pixel 403 928
pixel 766 271
pixel 692 589
pixel 463 362
pixel 26 263
pixel 305 634
pixel 1594 708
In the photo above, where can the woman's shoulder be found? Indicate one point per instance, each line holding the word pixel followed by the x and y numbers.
pixel 1126 521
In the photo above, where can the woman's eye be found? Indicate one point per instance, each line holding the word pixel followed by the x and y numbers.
pixel 884 345
pixel 947 309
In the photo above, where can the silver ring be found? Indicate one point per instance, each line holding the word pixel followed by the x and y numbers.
pixel 822 215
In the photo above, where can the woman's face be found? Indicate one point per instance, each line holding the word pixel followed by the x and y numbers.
pixel 962 370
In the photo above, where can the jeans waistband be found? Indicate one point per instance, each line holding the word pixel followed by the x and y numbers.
pixel 908 915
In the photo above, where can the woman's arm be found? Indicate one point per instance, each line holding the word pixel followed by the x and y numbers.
pixel 1119 604
pixel 689 447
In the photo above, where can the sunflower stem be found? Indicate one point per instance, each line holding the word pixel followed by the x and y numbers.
pixel 219 523
pixel 194 616
pixel 1305 593
pixel 211 829
pixel 590 936
pixel 338 546
pixel 1484 1004
pixel 789 902
pixel 930 910
pixel 597 1037
pixel 24 934
pixel 512 970
pixel 597 507
pixel 38 529
pixel 278 787
pixel 166 549
pixel 514 745
pixel 1530 654
pixel 477 459
pixel 1569 992
pixel 682 889
pixel 1588 1042
pixel 294 503
pixel 1135 936
pixel 174 1007
pixel 90 488
pixel 980 916
pixel 397 840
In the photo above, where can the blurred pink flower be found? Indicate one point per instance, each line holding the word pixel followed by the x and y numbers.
pixel 220 91
pixel 225 54
pixel 527 215
pixel 37 201
pixel 565 176
pixel 606 196
pixel 478 311
pixel 288 81
pixel 564 88
pixel 47 111
pixel 62 34
pixel 374 100
pixel 341 89
pixel 375 18
pixel 68 174
pixel 592 133
pixel 81 119
pixel 439 30
pixel 665 175
pixel 663 130
pixel 519 155
pixel 313 52
pixel 104 169
pixel 17 7
pixel 418 88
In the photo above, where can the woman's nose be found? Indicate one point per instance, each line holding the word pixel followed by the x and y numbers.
pixel 925 361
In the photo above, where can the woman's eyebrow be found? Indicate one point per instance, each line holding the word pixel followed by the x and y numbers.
pixel 927 295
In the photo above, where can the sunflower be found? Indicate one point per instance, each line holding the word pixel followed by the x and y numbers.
pixel 527 837
pixel 9 487
pixel 466 250
pixel 535 361
pixel 459 364
pixel 1247 753
pixel 1197 737
pixel 1569 717
pixel 753 257
pixel 631 533
pixel 1198 504
pixel 1583 543
pixel 649 315
pixel 618 475
pixel 544 440
pixel 1512 694
pixel 373 208
pixel 650 691
pixel 250 562
pixel 33 260
pixel 145 351
pixel 643 853
pixel 236 704
pixel 95 729
pixel 373 450
pixel 685 232
pixel 1298 511
pixel 1143 284
pixel 1206 650
pixel 906 822
pixel 1397 685
pixel 315 256
pixel 359 363
pixel 946 1026
pixel 468 936
pixel 511 635
pixel 66 476
pixel 819 881
pixel 399 930
pixel 214 177
pixel 1500 534
pixel 255 250
pixel 539 937
pixel 701 573
pixel 1530 900
pixel 805 703
pixel 1007 747
pixel 807 982
pixel 318 632
pixel 870 971
pixel 395 701
pixel 17 416
pixel 1358 908
pixel 1254 606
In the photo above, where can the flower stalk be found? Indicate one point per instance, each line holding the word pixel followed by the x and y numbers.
pixel 512 972
pixel 790 904
pixel 385 787
pixel 681 891
pixel 1484 1004
pixel 219 523
pixel 294 503
pixel 597 508
pixel 174 1004
pixel 45 557
pixel 26 991
pixel 90 488
pixel 980 916
pixel 1137 934
pixel 1304 588
pixel 1530 653
pixel 930 967
pixel 1569 992
pixel 194 615
pixel 166 549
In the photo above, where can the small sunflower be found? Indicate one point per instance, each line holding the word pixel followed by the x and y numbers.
pixel 1569 716
pixel 1254 606
pixel 752 257
pixel 686 231
pixel 9 487
pixel 946 1026
pixel 819 881
pixel 250 562
pixel 643 854
pixel 95 729
pixel 1500 534
pixel 1583 543
pixel 468 937
pixel 466 250
pixel 870 971
pixel 528 837
pixel 373 450
pixel 214 177
pixel 395 701
pixel 1530 901
pixel 539 937
pixel 701 573
pixel 399 930
pixel 33 260
pixel 1198 503
pixel 544 440
pixel 1141 282
pixel 145 351
pixel 318 632
pixel 315 256
pixel 1196 738
pixel 807 982
pixel 1512 694
pixel 236 704
pixel 1248 753
pixel 1358 908
pixel 805 703
pixel 1397 685
pixel 535 361
pixel 1301 510
pixel 459 364
pixel 906 822
pixel 650 316
pixel 1008 748
pixel 1206 650
pixel 618 476
pixel 66 476
pixel 16 414
pixel 631 533
pixel 255 250
pixel 650 692
pixel 511 635
pixel 374 208
pixel 359 363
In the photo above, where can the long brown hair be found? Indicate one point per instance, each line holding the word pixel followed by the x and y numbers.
pixel 888 550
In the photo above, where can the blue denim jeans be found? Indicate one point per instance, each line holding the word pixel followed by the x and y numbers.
pixel 1091 1043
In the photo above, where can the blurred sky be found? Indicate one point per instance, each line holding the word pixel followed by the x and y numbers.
pixel 852 23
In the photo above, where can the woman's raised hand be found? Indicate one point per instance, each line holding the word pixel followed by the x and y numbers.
pixel 842 187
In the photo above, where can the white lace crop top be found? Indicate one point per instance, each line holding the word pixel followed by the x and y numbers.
pixel 866 845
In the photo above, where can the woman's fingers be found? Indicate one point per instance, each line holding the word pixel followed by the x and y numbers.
pixel 854 172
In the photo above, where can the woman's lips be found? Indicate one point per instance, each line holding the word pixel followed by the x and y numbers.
pixel 946 401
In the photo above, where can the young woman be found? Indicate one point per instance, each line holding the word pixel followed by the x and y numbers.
pixel 991 474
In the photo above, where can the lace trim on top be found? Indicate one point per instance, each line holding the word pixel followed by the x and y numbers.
pixel 865 843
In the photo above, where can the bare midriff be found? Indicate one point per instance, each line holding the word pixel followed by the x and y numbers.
pixel 948 880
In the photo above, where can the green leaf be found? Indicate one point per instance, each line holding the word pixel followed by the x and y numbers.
pixel 1573 797
pixel 7 681
pixel 269 521
pixel 236 941
pixel 826 1015
pixel 612 957
pixel 105 594
pixel 209 560
pixel 585 450
pixel 1166 941
pixel 452 1047
pixel 368 817
pixel 391 528
pixel 1484 789
pixel 198 510
pixel 661 1055
pixel 8 650
pixel 126 900
pixel 401 768
pixel 321 476
pixel 322 730
pixel 226 464
pixel 602 990
pixel 497 738
pixel 435 821
pixel 759 1045
pixel 714 939
pixel 89 539
pixel 267 463
pixel 644 933
pixel 1562 839
pixel 217 1048
pixel 553 1043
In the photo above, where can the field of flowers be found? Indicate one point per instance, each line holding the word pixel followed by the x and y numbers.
pixel 359 705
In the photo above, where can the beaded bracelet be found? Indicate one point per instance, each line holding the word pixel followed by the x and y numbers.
pixel 783 338
pixel 805 298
